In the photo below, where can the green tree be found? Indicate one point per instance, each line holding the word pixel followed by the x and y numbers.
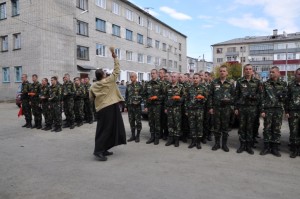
pixel 234 70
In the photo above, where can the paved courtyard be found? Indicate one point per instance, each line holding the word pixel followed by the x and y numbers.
pixel 35 164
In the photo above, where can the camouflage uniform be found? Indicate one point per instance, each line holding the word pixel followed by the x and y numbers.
pixel 45 92
pixel 185 120
pixel 25 103
pixel 88 105
pixel 35 104
pixel 164 118
pixel 274 94
pixel 293 109
pixel 154 88
pixel 133 99
pixel 78 104
pixel 207 121
pixel 68 91
pixel 247 98
pixel 195 109
pixel 55 106
pixel 220 100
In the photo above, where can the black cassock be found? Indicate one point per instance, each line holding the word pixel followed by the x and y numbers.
pixel 110 129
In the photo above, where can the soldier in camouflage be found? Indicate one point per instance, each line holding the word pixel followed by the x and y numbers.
pixel 55 104
pixel 184 81
pixel 133 99
pixel 35 102
pixel 220 101
pixel 164 118
pixel 207 126
pixel 174 99
pixel 78 101
pixel 247 97
pixel 44 96
pixel 292 111
pixel 196 96
pixel 153 98
pixel 26 101
pixel 68 91
pixel 88 106
pixel 273 98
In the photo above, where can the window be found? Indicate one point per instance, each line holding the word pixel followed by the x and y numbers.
pixel 243 48
pixel 163 62
pixel 156 44
pixel 231 49
pixel 170 48
pixel 140 21
pixel 149 42
pixel 82 52
pixel 140 58
pixel 175 51
pixel 170 63
pixel 164 48
pixel 157 29
pixel 129 35
pixel 219 60
pixel 82 28
pixel 17 41
pixel 128 55
pixel 219 50
pixel 149 24
pixel 82 4
pixel 157 61
pixel 4 43
pixel 15 7
pixel 179 46
pixel 175 64
pixel 5 74
pixel 179 68
pixel 116 8
pixel 129 15
pixel 140 76
pixel 149 59
pixel 100 25
pixel 140 39
pixel 101 3
pixel 179 57
pixel 118 52
pixel 116 30
pixel 2 11
pixel 243 59
pixel 100 50
pixel 18 73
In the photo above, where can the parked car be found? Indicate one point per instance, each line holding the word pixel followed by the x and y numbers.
pixel 18 96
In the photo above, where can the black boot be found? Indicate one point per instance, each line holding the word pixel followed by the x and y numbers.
pixel 132 138
pixel 275 150
pixel 101 157
pixel 209 138
pixel 25 125
pixel 193 143
pixel 39 124
pixel 176 141
pixel 249 148
pixel 203 139
pixel 183 139
pixel 242 147
pixel 151 139
pixel 66 125
pixel 198 143
pixel 170 141
pixel 294 151
pixel 224 143
pixel 137 137
pixel 72 126
pixel 266 149
pixel 47 127
pixel 217 144
pixel 58 129
pixel 156 140
pixel 298 149
pixel 29 125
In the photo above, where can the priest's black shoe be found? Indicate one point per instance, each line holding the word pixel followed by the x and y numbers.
pixel 101 157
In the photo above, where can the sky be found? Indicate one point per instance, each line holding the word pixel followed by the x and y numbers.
pixel 207 22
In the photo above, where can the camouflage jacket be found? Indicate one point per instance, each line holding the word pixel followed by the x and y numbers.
pixel 79 92
pixel 26 86
pixel 55 93
pixel 191 101
pixel 153 88
pixel 221 94
pixel 247 93
pixel 133 94
pixel 293 97
pixel 170 92
pixel 68 89
pixel 86 88
pixel 45 92
pixel 274 94
pixel 35 88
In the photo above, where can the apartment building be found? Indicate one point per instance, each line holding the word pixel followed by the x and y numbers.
pixel 263 52
pixel 195 65
pixel 53 37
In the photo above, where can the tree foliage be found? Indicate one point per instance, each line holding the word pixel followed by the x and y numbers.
pixel 234 70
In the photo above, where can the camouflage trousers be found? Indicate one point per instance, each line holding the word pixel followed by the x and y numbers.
pixel 174 121
pixel 36 110
pixel 185 124
pixel 135 116
pixel 78 110
pixel 47 113
pixel 88 110
pixel 69 109
pixel 26 108
pixel 154 114
pixel 247 116
pixel 55 108
pixel 272 125
pixel 207 123
pixel 256 123
pixel 221 118
pixel 196 121
pixel 294 124
pixel 164 122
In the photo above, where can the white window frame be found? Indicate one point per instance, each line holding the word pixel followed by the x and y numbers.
pixel 3 10
pixel 18 73
pixel 157 43
pixel 82 28
pixel 15 7
pixel 119 30
pixel 129 35
pixel 5 74
pixel 140 76
pixel 140 20
pixel 86 53
pixel 140 58
pixel 4 43
pixel 102 25
pixel 149 42
pixel 157 61
pixel 101 3
pixel 140 38
pixel 115 8
pixel 100 50
pixel 149 59
pixel 82 4
pixel 118 52
pixel 128 55
pixel 157 29
pixel 129 15
pixel 17 41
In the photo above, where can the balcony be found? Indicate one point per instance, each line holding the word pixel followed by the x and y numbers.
pixel 232 54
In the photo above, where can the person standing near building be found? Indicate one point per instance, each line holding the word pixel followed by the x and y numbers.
pixel 153 98
pixel 292 111
pixel 35 91
pixel 220 100
pixel 110 129
pixel 88 106
pixel 185 120
pixel 26 86
pixel 68 91
pixel 133 99
pixel 164 118
pixel 247 97
pixel 207 121
pixel 174 99
pixel 55 104
pixel 44 96
pixel 274 96
pixel 196 97
pixel 78 102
